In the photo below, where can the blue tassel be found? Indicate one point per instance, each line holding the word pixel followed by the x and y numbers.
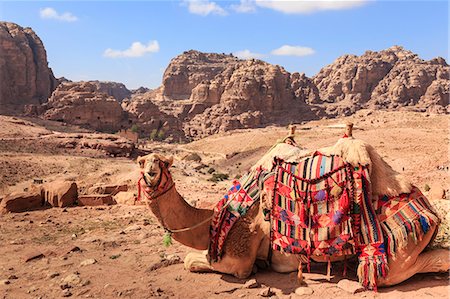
pixel 424 224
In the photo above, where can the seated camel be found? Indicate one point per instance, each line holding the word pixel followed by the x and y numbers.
pixel 251 236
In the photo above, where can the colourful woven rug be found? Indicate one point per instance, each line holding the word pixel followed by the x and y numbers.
pixel 228 210
pixel 322 207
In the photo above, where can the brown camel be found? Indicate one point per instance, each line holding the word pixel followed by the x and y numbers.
pixel 248 240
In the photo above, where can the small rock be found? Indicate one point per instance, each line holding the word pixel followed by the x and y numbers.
pixel 267 292
pixel 350 286
pixel 34 256
pixel 72 280
pixel 251 284
pixel 88 262
pixel 13 277
pixel 74 249
pixel 4 282
pixel 74 236
pixel 53 275
pixel 132 228
pixel 303 291
pixel 66 293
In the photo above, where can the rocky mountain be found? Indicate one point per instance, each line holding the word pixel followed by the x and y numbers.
pixel 206 93
pixel 388 79
pixel 212 93
pixel 25 77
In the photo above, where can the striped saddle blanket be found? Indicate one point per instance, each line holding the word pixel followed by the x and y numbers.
pixel 323 206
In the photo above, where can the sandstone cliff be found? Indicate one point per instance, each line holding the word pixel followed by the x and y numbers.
pixel 25 77
pixel 80 103
pixel 212 93
pixel 387 79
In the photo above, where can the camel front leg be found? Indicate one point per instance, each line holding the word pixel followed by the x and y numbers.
pixel 197 262
pixel 238 267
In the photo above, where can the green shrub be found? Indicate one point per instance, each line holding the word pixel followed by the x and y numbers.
pixel 134 128
pixel 157 135
pixel 218 177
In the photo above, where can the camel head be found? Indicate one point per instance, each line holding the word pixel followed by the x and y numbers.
pixel 153 167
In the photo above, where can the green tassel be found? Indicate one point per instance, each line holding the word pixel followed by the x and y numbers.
pixel 167 239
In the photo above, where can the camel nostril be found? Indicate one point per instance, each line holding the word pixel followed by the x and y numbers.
pixel 152 173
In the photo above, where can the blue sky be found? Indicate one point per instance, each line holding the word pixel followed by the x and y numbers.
pixel 300 36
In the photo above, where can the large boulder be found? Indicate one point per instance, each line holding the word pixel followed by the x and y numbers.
pixel 25 77
pixel 21 202
pixel 60 193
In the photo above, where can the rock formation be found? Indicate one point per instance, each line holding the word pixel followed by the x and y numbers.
pixel 207 93
pixel 387 79
pixel 80 103
pixel 25 77
pixel 114 89
pixel 186 71
pixel 216 92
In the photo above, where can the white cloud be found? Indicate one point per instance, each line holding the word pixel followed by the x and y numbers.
pixel 287 50
pixel 246 6
pixel 205 7
pixel 51 13
pixel 246 54
pixel 309 6
pixel 137 49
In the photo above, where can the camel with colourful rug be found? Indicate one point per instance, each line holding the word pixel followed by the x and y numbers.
pixel 295 206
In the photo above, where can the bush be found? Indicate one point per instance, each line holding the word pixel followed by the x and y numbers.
pixel 157 135
pixel 218 177
pixel 211 170
pixel 426 188
pixel 134 128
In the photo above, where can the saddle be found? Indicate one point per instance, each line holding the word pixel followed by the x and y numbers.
pixel 323 206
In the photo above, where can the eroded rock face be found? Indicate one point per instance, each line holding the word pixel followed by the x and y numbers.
pixel 80 103
pixel 218 92
pixel 114 89
pixel 25 77
pixel 388 79
pixel 188 70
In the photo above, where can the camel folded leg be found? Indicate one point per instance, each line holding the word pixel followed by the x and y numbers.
pixel 412 260
pixel 197 262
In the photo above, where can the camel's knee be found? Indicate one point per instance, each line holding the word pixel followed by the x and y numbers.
pixel 197 262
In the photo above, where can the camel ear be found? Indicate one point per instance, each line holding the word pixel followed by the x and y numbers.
pixel 168 161
pixel 141 161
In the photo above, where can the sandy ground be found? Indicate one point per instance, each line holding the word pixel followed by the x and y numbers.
pixel 126 241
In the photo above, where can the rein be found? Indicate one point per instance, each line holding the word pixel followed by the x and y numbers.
pixel 152 198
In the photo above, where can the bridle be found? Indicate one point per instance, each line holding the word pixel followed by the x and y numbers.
pixel 153 194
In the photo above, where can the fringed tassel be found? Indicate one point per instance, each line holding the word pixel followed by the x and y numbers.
pixel 370 269
pixel 309 264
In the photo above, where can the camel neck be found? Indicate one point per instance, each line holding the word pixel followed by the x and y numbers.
pixel 175 213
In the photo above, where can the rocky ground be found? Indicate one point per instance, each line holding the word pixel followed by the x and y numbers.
pixel 117 251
